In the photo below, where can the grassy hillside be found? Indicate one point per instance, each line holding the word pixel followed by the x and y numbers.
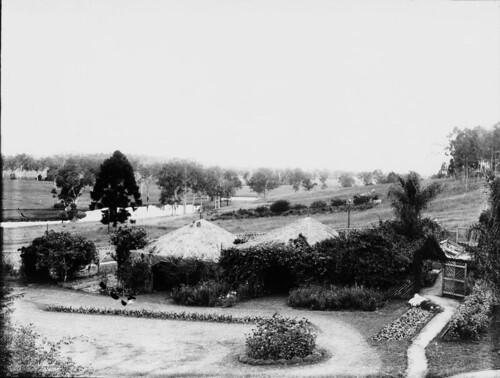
pixel 454 208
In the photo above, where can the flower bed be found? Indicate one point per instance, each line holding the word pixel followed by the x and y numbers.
pixel 281 338
pixel 170 315
pixel 407 326
pixel 321 298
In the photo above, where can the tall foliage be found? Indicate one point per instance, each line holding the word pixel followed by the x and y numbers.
pixel 487 252
pixel 263 180
pixel 115 184
pixel 408 200
pixel 126 239
pixel 374 258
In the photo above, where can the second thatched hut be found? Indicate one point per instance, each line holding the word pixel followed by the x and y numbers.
pixel 311 229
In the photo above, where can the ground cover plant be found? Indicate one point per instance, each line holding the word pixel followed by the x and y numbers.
pixel 281 338
pixel 315 297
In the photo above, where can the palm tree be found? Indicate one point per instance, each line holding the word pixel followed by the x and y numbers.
pixel 408 200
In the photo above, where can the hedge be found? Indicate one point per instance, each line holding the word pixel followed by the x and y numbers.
pixel 372 258
pixel 336 298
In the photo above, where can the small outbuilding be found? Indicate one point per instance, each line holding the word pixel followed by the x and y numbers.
pixel 455 269
pixel 200 239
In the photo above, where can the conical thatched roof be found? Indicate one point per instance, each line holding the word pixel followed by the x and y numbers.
pixel 200 239
pixel 313 230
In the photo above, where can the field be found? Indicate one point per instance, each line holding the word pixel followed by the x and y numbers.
pixel 455 207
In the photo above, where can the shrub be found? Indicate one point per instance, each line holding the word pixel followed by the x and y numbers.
pixel 177 271
pixel 59 252
pixel 135 274
pixel 299 206
pixel 262 210
pixel 337 202
pixel 318 205
pixel 335 298
pixel 59 206
pixel 360 199
pixel 280 206
pixel 472 317
pixel 281 338
pixel 211 293
pixel 126 239
pixel 35 356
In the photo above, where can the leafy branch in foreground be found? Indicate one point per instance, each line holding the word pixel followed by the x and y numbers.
pixel 33 355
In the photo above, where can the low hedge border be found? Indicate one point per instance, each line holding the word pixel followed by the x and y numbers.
pixel 152 314
pixel 319 355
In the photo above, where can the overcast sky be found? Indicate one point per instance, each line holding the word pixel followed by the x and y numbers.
pixel 313 84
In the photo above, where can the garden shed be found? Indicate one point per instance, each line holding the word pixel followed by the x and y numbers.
pixel 311 229
pixel 455 269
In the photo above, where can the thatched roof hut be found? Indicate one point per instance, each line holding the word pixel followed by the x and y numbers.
pixel 200 239
pixel 313 230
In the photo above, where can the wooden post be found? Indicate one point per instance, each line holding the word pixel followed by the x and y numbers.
pixel 349 213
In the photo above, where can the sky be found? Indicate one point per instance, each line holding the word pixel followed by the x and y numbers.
pixel 358 85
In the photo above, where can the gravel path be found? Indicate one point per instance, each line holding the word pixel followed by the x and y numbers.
pixel 417 362
pixel 124 346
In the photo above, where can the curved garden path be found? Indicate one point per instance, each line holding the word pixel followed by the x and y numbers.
pixel 126 346
pixel 417 361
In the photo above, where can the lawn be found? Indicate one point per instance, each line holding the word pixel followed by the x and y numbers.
pixel 446 358
pixel 150 346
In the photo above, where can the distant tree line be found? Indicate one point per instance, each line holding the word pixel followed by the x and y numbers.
pixel 473 152
pixel 178 179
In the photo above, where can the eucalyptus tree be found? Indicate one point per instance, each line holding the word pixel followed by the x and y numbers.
pixel 262 181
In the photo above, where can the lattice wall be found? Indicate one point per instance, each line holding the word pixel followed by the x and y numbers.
pixel 455 278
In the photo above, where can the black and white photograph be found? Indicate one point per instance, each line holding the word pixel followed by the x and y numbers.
pixel 249 188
